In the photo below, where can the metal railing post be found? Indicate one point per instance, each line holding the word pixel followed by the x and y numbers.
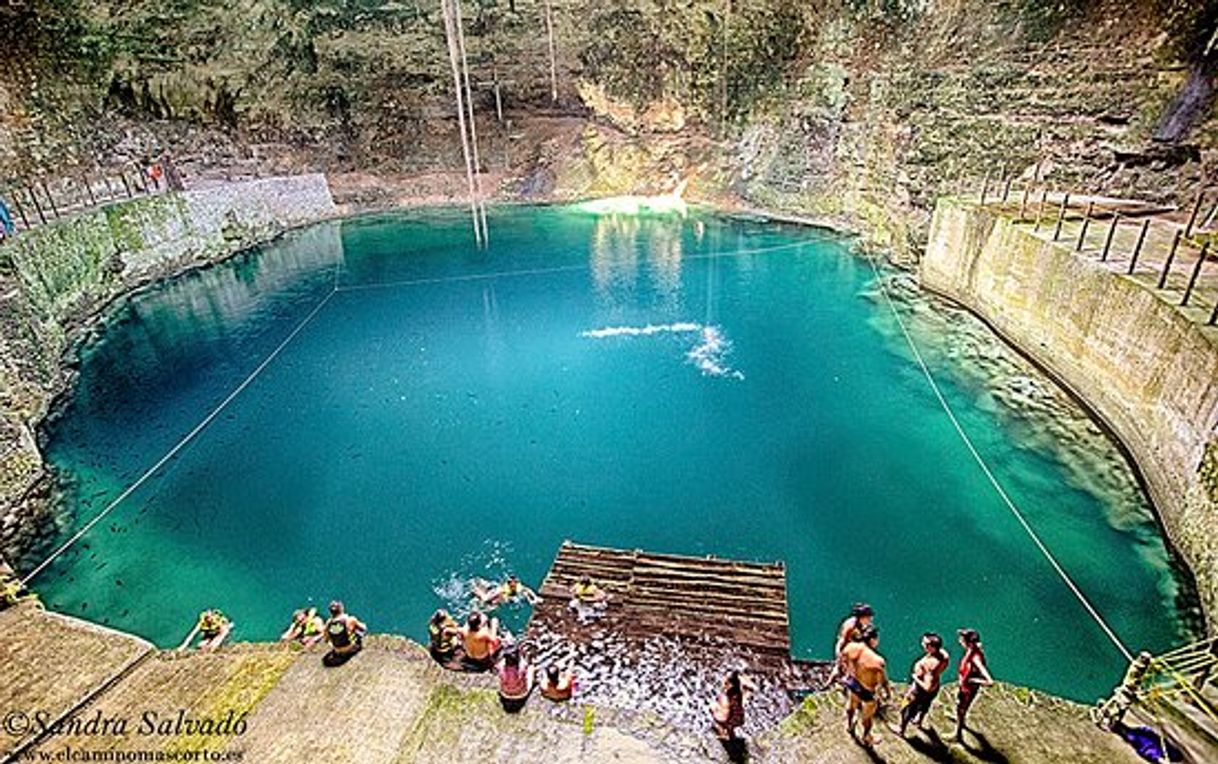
pixel 1116 218
pixel 1171 256
pixel 1192 218
pixel 37 207
pixel 1137 248
pixel 17 205
pixel 50 198
pixel 88 189
pixel 1082 233
pixel 1023 203
pixel 1040 210
pixel 1061 216
pixel 1192 280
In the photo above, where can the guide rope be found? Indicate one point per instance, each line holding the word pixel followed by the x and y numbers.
pixel 559 268
pixel 334 289
pixel 985 468
pixel 190 436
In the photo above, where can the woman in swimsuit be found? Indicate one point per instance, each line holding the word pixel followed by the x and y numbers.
pixel 973 675
pixel 727 713
pixel 515 681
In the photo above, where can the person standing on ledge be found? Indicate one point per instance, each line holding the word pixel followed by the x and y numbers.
pixel 925 685
pixel 727 712
pixel 7 228
pixel 866 680
pixel 861 615
pixel 973 675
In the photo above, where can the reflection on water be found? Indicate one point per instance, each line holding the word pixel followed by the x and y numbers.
pixel 615 253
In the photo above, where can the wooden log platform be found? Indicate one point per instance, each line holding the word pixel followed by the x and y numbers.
pixel 715 607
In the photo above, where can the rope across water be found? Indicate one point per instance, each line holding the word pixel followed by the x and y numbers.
pixel 985 468
pixel 65 546
pixel 335 288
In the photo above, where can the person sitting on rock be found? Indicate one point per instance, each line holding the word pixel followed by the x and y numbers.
pixel 444 637
pixel 515 680
pixel 557 685
pixel 12 591
pixel 344 632
pixel 307 628
pixel 481 640
pixel 212 629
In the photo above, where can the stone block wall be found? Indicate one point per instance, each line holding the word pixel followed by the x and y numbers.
pixel 1144 366
pixel 54 279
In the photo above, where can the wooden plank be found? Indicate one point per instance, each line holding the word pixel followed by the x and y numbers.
pixel 712 606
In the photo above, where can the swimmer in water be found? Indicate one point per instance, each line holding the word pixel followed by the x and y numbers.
pixel 511 590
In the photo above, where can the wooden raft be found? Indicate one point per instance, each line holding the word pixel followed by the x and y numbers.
pixel 738 606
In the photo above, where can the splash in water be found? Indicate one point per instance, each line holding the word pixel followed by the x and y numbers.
pixel 709 355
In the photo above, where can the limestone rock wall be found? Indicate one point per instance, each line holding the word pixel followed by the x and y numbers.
pixel 53 279
pixel 1148 370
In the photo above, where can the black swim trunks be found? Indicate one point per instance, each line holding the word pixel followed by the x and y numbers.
pixel 917 704
pixel 853 685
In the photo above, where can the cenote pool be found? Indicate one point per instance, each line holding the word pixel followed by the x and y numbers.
pixel 702 385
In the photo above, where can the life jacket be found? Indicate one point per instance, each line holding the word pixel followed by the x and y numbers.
pixel 510 589
pixel 585 591
pixel 211 621
pixel 338 634
pixel 310 628
pixel 444 637
pixel 10 591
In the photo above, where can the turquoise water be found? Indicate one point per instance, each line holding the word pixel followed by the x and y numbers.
pixel 640 382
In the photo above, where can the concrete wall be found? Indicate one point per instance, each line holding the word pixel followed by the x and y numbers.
pixel 1143 365
pixel 53 280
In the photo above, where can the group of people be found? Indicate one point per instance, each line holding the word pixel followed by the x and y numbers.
pixel 862 672
pixel 342 631
pixel 480 644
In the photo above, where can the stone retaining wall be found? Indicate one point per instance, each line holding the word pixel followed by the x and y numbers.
pixel 1148 369
pixel 55 278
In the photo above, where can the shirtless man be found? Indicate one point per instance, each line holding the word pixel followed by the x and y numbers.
pixel 927 672
pixel 860 615
pixel 481 641
pixel 865 681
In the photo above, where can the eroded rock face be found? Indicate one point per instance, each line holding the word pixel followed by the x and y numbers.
pixel 54 278
pixel 860 112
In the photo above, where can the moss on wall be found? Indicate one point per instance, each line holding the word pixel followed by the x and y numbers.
pixel 54 279
pixel 1147 368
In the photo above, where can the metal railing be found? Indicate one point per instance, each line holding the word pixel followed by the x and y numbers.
pixel 34 201
pixel 1148 238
